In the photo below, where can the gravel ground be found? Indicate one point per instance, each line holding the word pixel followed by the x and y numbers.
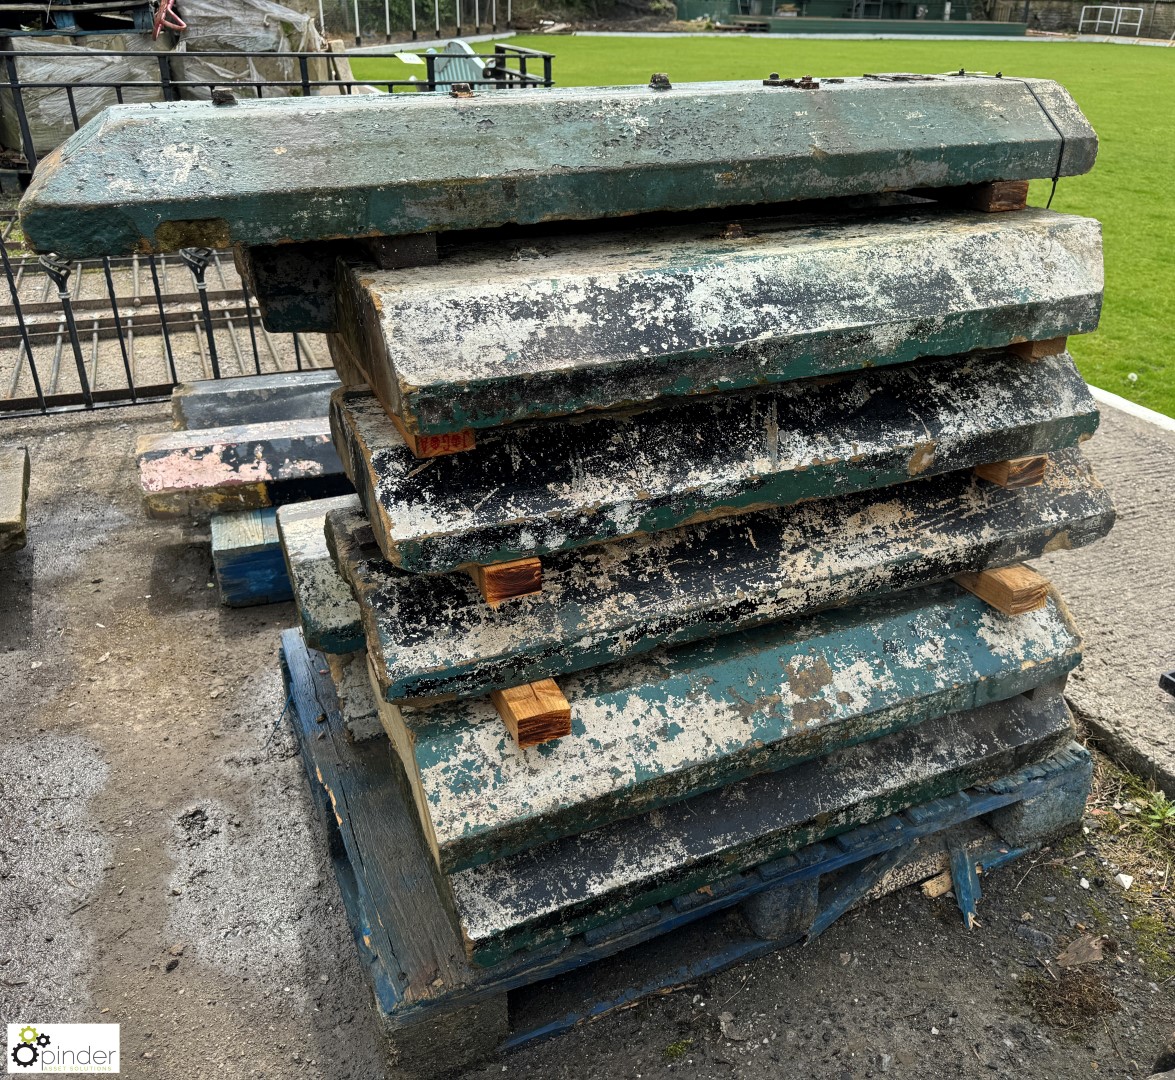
pixel 161 865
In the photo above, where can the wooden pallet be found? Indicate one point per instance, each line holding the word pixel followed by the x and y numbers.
pixel 433 635
pixel 444 1012
pixel 14 491
pixel 555 325
pixel 529 490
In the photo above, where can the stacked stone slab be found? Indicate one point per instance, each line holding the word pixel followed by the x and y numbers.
pixel 698 435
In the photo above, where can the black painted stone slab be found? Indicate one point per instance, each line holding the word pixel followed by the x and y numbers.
pixel 572 885
pixel 238 467
pixel 163 176
pixel 431 634
pixel 253 399
pixel 534 489
pixel 534 327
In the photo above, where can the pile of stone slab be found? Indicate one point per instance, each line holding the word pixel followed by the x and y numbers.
pixel 698 436
pixel 239 447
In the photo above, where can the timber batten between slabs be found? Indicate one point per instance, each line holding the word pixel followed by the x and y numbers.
pixel 160 177
pixel 529 490
pixel 549 326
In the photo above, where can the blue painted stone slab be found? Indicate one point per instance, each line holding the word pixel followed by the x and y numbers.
pixel 431 635
pixel 547 326
pixel 247 558
pixel 163 176
pixel 678 722
pixel 550 486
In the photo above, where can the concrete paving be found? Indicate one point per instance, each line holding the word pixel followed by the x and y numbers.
pixel 1122 592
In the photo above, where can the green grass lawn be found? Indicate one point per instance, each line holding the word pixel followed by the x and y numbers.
pixel 1127 92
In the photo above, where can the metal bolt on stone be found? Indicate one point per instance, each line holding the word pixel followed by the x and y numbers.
pixel 660 81
pixel 461 90
pixel 223 97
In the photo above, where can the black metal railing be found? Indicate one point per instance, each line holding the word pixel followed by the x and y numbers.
pixel 63 105
pixel 80 335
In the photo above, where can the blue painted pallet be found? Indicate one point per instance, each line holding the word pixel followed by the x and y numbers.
pixel 247 556
pixel 426 990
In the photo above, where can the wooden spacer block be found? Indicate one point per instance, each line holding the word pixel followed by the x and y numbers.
pixel 504 581
pixel 533 713
pixel 995 197
pixel 1013 590
pixel 430 446
pixel 1014 473
pixel 1037 350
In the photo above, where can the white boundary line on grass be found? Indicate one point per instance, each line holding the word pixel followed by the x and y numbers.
pixel 1104 397
pixel 1070 39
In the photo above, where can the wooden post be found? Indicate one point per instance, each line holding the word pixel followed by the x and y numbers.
pixel 1014 590
pixel 1014 473
pixel 504 581
pixel 534 713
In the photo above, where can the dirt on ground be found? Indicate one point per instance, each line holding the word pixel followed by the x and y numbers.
pixel 161 864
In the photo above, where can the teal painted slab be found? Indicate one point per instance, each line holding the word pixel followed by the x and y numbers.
pixel 252 399
pixel 547 326
pixel 163 176
pixel 326 606
pixel 237 467
pixel 678 722
pixel 550 486
pixel 573 885
pixel 247 558
pixel 410 948
pixel 14 492
pixel 432 634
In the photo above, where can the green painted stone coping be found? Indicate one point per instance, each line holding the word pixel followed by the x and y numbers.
pixel 432 634
pixel 678 722
pixel 159 177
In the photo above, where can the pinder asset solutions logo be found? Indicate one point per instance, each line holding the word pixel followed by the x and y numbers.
pixel 63 1048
